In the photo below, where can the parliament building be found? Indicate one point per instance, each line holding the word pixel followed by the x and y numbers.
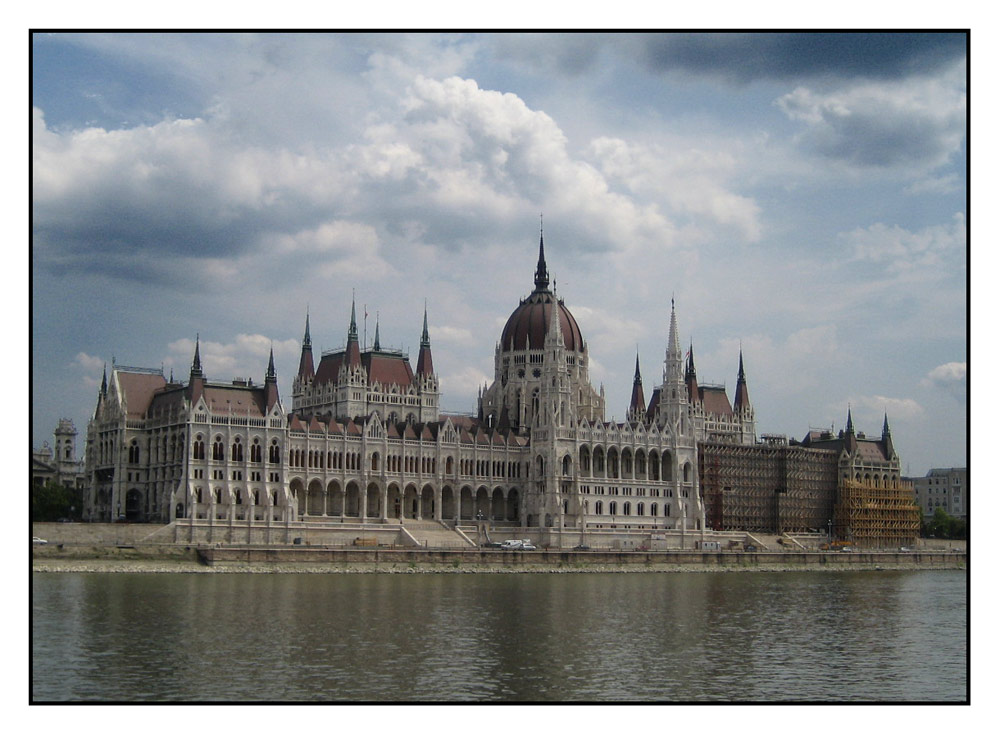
pixel 365 445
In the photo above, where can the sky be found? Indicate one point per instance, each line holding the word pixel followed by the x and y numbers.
pixel 801 197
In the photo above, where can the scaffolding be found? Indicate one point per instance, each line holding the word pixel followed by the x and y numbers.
pixel 876 515
pixel 769 488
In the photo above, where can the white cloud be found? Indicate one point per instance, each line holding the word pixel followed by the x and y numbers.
pixel 904 249
pixel 915 123
pixel 92 367
pixel 872 409
pixel 456 335
pixel 952 377
pixel 463 382
pixel 691 182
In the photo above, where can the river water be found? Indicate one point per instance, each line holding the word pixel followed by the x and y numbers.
pixel 642 637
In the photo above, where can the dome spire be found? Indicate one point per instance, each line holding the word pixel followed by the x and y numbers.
pixel 541 272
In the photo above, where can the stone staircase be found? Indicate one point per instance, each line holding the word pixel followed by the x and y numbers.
pixel 435 535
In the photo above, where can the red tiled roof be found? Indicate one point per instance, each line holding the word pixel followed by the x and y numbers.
pixel 387 369
pixel 138 390
pixel 329 367
pixel 239 399
pixel 715 401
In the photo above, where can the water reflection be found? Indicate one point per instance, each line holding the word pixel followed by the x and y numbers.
pixel 527 637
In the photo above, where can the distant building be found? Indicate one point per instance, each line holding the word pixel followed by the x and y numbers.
pixel 58 464
pixel 944 487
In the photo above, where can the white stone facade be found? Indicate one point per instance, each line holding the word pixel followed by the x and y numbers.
pixel 365 440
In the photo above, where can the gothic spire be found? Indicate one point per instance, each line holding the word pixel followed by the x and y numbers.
pixel 377 346
pixel 425 363
pixel 541 272
pixel 850 421
pixel 104 381
pixel 271 376
pixel 196 363
pixel 306 370
pixel 742 399
pixel 673 343
pixel 890 451
pixel 353 351
pixel 425 337
pixel 691 376
pixel 637 406
pixel 271 381
pixel 352 332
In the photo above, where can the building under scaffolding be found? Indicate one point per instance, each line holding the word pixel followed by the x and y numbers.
pixel 770 487
pixel 876 515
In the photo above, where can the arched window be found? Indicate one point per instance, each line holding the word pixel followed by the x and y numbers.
pixel 567 465
pixel 640 510
pixel 687 472
pixel 198 450
pixel 218 449
pixel 539 466
pixel 599 507
pixel 237 455
pixel 653 509
pixel 255 450
pixel 374 461
pixel 614 507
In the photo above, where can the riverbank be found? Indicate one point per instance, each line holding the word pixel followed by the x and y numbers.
pixel 189 566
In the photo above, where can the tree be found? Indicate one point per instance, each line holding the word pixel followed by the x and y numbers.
pixel 53 501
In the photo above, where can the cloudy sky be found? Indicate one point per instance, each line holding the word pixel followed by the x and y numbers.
pixel 801 196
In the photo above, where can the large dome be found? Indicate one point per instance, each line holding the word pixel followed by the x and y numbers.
pixel 527 326
pixel 529 323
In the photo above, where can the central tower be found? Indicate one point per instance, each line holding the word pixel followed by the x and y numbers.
pixel 539 333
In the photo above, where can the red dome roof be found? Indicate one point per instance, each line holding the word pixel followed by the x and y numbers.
pixel 527 326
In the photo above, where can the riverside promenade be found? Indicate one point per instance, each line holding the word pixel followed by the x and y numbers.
pixel 110 548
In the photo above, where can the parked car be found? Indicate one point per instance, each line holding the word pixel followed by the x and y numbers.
pixel 528 546
pixel 492 545
pixel 581 547
pixel 38 541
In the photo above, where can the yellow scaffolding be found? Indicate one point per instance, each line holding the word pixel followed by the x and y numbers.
pixel 876 515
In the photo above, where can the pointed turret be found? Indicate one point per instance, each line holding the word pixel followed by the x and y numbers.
pixel 673 399
pixel 637 406
pixel 353 350
pixel 890 452
pixel 850 440
pixel 378 345
pixel 271 380
pixel 104 382
pixel 306 370
pixel 742 400
pixel 425 363
pixel 691 377
pixel 196 363
pixel 196 383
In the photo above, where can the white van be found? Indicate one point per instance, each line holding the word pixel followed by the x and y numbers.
pixel 512 545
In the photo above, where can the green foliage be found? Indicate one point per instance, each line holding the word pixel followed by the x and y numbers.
pixel 942 525
pixel 53 501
